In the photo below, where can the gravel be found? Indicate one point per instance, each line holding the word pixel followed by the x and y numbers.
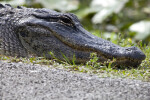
pixel 38 82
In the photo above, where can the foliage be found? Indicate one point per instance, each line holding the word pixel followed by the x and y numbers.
pixel 104 8
pixel 142 28
pixel 13 2
pixel 61 5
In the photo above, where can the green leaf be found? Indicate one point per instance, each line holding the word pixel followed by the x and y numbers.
pixel 104 8
pixel 14 2
pixel 62 5
pixel 142 29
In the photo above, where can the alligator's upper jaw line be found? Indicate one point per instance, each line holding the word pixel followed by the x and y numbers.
pixel 81 39
pixel 110 50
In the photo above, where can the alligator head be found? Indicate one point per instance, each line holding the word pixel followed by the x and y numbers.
pixel 42 31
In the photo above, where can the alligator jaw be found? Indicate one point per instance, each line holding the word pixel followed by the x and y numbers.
pixel 81 40
pixel 125 56
pixel 78 41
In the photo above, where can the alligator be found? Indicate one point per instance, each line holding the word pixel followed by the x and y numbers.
pixel 25 31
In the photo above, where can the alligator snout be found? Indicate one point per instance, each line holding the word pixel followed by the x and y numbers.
pixel 134 53
pixel 81 40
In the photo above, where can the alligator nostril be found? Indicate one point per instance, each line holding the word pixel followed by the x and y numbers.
pixel 128 49
pixel 131 48
pixel 135 53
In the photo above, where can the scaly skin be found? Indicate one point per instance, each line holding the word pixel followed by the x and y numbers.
pixel 40 31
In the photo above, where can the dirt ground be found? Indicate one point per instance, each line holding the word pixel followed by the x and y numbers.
pixel 35 82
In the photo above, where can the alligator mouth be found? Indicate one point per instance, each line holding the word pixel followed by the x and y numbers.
pixel 125 56
pixel 106 59
pixel 79 39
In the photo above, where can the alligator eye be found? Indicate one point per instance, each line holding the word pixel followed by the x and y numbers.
pixel 65 20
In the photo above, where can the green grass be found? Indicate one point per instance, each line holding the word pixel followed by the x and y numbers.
pixel 142 72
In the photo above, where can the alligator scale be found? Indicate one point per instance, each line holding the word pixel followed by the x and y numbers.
pixel 40 31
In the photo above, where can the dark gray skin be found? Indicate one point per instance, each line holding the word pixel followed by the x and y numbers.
pixel 40 31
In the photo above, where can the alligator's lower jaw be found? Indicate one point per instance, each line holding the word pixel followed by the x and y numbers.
pixel 127 63
pixel 116 62
pixel 119 62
